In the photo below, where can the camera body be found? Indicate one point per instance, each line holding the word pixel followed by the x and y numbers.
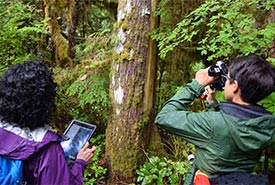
pixel 218 70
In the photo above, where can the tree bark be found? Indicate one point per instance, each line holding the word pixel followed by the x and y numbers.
pixel 72 26
pixel 271 18
pixel 54 10
pixel 132 90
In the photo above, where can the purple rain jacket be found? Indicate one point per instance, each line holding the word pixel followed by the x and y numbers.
pixel 44 161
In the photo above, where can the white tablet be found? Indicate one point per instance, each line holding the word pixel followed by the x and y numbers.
pixel 79 133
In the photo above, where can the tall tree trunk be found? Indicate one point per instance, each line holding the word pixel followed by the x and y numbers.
pixel 132 90
pixel 54 10
pixel 271 18
pixel 72 26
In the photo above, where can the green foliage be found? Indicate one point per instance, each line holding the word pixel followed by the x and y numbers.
pixel 84 88
pixel 177 148
pixel 162 171
pixel 91 83
pixel 95 172
pixel 96 95
pixel 225 29
pixel 94 17
pixel 197 66
pixel 97 46
pixel 165 91
pixel 269 103
pixel 84 93
pixel 20 32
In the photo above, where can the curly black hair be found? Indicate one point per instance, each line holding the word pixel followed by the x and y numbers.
pixel 27 94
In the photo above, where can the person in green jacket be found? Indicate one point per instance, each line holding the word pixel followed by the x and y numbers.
pixel 233 137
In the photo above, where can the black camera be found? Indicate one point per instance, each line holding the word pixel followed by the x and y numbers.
pixel 218 70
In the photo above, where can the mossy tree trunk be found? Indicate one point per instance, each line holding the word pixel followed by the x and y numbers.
pixel 59 12
pixel 271 18
pixel 132 90
pixel 74 8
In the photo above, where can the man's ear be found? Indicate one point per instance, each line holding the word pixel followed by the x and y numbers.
pixel 235 86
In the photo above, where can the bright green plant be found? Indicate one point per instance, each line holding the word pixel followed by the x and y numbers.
pixel 269 103
pixel 159 171
pixel 95 172
pixel 20 32
pixel 223 29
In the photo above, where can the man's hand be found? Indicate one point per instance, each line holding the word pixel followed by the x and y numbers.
pixel 203 78
pixel 210 94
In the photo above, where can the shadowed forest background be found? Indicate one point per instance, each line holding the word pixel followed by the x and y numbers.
pixel 117 61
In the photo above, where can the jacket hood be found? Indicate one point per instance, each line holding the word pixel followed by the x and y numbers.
pixel 17 147
pixel 254 128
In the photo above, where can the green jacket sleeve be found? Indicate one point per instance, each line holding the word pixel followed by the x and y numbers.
pixel 213 106
pixel 175 117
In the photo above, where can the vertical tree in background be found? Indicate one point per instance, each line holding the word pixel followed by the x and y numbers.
pixel 54 11
pixel 271 18
pixel 132 89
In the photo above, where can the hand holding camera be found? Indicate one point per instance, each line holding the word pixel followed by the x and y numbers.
pixel 210 94
pixel 203 78
pixel 215 75
pixel 220 71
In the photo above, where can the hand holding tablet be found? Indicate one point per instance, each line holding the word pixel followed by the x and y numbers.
pixel 79 134
pixel 86 153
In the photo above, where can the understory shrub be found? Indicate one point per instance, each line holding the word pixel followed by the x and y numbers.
pixel 161 171
pixel 95 172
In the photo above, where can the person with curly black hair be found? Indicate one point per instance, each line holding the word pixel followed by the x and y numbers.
pixel 27 101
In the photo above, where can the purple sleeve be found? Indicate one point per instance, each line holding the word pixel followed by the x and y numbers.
pixel 52 168
pixel 78 170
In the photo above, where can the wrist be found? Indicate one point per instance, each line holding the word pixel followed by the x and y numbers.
pixel 210 101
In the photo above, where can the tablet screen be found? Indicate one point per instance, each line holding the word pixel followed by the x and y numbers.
pixel 79 133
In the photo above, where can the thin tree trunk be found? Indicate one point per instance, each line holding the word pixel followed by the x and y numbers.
pixel 53 10
pixel 271 18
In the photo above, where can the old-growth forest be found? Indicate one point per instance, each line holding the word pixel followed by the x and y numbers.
pixel 118 61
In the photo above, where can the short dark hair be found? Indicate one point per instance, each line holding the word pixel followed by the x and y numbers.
pixel 27 94
pixel 255 76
